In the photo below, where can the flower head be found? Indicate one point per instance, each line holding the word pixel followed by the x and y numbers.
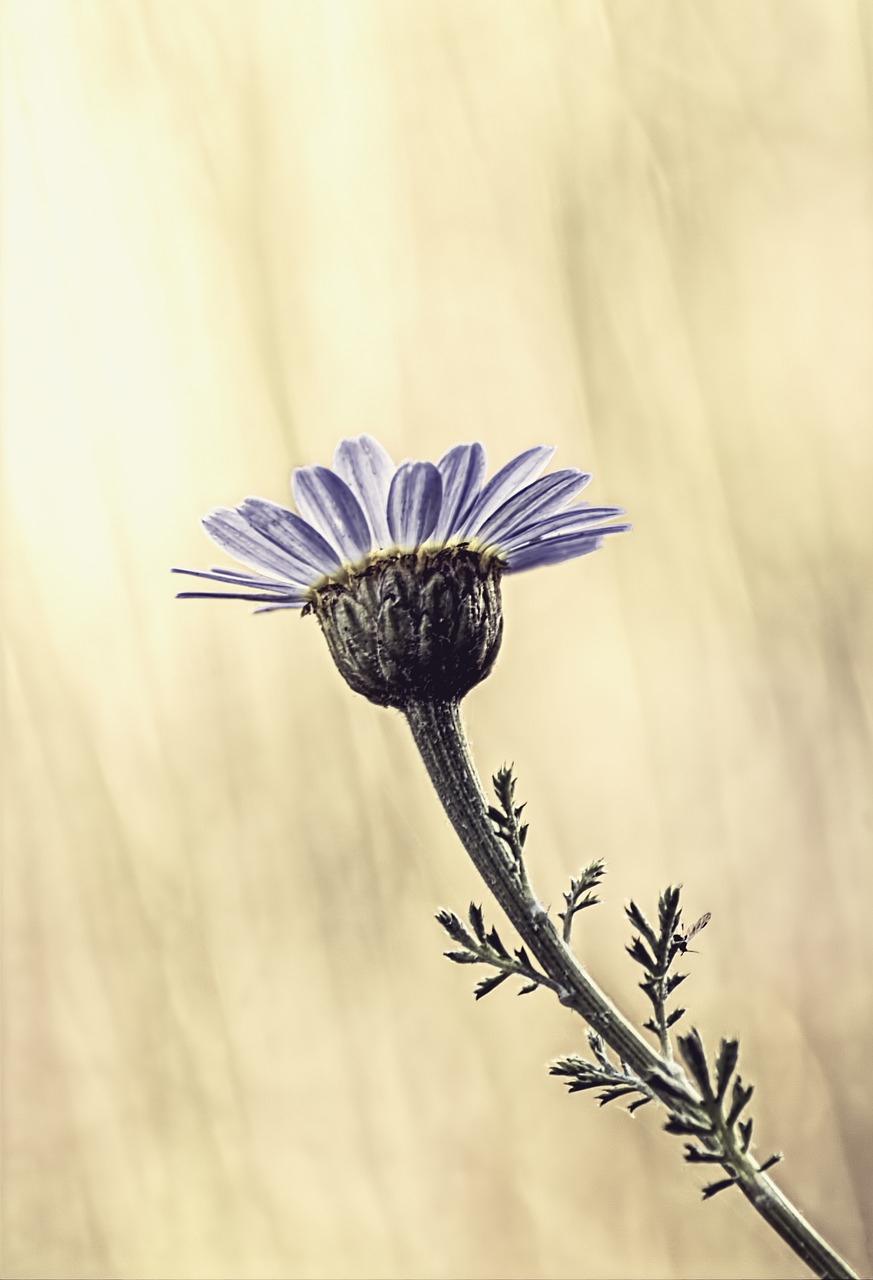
pixel 402 565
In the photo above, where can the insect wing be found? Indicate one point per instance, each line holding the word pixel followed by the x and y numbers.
pixel 682 938
pixel 695 928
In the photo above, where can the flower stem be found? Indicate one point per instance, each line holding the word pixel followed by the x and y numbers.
pixel 439 735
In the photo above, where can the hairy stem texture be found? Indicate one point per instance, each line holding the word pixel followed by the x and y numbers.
pixel 439 735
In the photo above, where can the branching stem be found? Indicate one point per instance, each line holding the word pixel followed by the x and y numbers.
pixel 442 743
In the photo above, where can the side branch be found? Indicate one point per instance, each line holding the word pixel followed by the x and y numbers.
pixel 439 735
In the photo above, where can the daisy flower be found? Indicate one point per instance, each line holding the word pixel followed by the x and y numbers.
pixel 402 565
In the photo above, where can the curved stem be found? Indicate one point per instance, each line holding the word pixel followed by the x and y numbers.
pixel 441 741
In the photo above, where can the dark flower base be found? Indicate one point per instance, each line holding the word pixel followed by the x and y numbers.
pixel 422 625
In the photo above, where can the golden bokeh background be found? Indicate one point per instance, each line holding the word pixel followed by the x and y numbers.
pixel 235 232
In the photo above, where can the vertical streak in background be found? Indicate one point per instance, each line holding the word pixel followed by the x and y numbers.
pixel 233 233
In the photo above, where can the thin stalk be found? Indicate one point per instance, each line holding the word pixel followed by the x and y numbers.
pixel 663 1032
pixel 661 1016
pixel 442 743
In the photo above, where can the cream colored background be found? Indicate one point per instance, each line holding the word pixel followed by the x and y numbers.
pixel 234 232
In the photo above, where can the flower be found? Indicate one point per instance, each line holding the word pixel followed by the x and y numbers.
pixel 366 508
pixel 402 565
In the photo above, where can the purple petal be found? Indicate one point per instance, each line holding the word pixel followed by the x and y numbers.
pixel 293 535
pixel 537 500
pixel 509 479
pixel 367 469
pixel 554 550
pixel 328 503
pixel 256 581
pixel 573 520
pixel 293 601
pixel 414 503
pixel 462 470
pixel 234 534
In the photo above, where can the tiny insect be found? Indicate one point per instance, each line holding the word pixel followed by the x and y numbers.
pixel 682 937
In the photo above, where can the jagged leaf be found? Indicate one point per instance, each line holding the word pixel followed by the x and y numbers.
pixel 691 1048
pixel 565 1066
pixel 455 928
pixel 714 1187
pixel 639 921
pixel 740 1096
pixel 639 953
pixel 696 1155
pixel 581 1069
pixel 462 957
pixel 477 922
pixel 666 1085
pixel 728 1056
pixel 504 787
pixel 686 1128
pixel 668 911
pixel 651 986
pixel 493 940
pixel 487 985
pixel 578 897
pixel 612 1094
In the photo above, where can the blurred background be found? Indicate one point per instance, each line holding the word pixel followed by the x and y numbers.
pixel 233 233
